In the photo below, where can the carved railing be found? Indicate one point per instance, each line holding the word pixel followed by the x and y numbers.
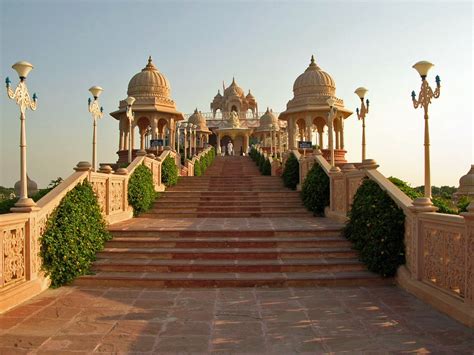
pixel 439 248
pixel 20 264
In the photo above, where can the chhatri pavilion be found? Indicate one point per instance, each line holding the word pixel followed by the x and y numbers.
pixel 234 117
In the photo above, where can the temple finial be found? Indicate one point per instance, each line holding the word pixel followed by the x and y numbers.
pixel 312 59
pixel 149 59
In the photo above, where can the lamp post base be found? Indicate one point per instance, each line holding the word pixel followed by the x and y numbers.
pixel 24 205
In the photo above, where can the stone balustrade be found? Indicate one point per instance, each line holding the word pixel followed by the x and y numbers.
pixel 20 264
pixel 439 265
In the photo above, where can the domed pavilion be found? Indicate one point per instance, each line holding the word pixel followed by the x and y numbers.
pixel 154 110
pixel 234 99
pixel 202 131
pixel 268 132
pixel 308 111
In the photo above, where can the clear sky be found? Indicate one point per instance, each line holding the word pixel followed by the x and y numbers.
pixel 265 45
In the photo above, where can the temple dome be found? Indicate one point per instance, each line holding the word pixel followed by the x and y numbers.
pixel 314 81
pixel 199 120
pixel 267 120
pixel 31 187
pixel 234 90
pixel 149 83
pixel 466 184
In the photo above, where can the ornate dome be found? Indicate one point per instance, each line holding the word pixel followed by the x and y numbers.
pixel 234 90
pixel 314 81
pixel 31 187
pixel 149 83
pixel 267 120
pixel 218 95
pixel 466 184
pixel 250 97
pixel 199 120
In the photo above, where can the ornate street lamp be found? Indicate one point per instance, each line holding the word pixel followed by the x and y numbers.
pixel 185 147
pixel 23 100
pixel 424 99
pixel 177 136
pixel 130 116
pixel 97 112
pixel 364 110
pixel 331 116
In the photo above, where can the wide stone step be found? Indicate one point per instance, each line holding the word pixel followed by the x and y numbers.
pixel 210 242
pixel 227 253
pixel 224 214
pixel 242 204
pixel 327 232
pixel 226 208
pixel 220 266
pixel 270 279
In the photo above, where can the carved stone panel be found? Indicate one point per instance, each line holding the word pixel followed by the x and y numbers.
pixel 444 258
pixel 13 239
pixel 338 195
pixel 116 195
pixel 100 189
pixel 410 246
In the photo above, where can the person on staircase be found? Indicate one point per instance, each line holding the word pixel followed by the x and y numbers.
pixel 230 148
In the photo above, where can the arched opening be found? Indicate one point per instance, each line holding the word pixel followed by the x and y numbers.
pixel 234 108
pixel 320 122
pixel 301 126
pixel 143 124
pixel 224 142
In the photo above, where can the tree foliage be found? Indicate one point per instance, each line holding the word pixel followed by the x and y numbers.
pixel 291 172
pixel 315 190
pixel 141 191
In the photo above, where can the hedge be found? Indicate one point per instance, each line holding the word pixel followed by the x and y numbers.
pixel 141 191
pixel 315 190
pixel 197 168
pixel 291 172
pixel 74 233
pixel 267 167
pixel 169 172
pixel 376 227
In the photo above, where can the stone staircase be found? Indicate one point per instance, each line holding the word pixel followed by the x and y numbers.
pixel 230 227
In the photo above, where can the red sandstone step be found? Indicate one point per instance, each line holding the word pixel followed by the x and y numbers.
pixel 227 253
pixel 203 242
pixel 349 278
pixel 227 209
pixel 225 214
pixel 218 234
pixel 242 204
pixel 179 265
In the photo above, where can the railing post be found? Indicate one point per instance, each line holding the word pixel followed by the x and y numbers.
pixel 469 253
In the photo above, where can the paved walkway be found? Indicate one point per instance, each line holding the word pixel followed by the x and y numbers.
pixel 378 320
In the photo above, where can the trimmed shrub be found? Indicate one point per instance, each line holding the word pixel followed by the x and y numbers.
pixel 74 233
pixel 6 205
pixel 267 168
pixel 291 172
pixel 376 227
pixel 169 172
pixel 141 192
pixel 197 168
pixel 315 190
pixel 413 193
pixel 463 203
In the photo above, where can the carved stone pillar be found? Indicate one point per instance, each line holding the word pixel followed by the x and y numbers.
pixel 469 252
pixel 291 133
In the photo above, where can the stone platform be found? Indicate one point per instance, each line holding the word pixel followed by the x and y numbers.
pixel 375 320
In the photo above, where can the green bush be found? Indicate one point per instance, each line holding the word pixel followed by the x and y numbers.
pixel 376 227
pixel 267 167
pixel 141 191
pixel 74 233
pixel 463 203
pixel 197 168
pixel 291 172
pixel 6 205
pixel 414 193
pixel 315 190
pixel 169 172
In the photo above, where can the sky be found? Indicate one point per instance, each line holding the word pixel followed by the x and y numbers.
pixel 74 45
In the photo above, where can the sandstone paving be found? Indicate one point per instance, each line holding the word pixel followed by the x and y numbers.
pixel 373 319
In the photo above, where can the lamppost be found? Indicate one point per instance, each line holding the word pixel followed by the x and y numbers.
pixel 130 116
pixel 97 112
pixel 23 100
pixel 185 144
pixel 424 99
pixel 331 116
pixel 364 110
pixel 177 136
